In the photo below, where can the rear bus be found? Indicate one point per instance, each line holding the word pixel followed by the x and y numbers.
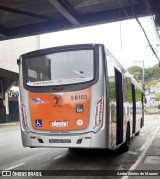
pixel 78 96
pixel 63 97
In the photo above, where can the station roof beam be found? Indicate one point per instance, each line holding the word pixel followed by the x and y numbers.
pixel 21 18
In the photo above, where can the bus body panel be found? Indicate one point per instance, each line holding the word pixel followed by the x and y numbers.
pixel 43 105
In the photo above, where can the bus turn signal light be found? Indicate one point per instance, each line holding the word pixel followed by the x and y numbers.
pixel 24 116
pixel 99 114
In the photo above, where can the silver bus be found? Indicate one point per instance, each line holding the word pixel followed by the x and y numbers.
pixel 78 96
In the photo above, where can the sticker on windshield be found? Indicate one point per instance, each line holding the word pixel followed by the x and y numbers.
pixel 59 82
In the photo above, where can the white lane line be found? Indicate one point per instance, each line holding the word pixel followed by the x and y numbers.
pixel 15 166
pixel 59 156
pixel 133 167
pixel 25 159
pixel 142 147
pixel 6 133
pixel 8 124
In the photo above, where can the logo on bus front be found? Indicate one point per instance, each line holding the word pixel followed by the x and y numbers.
pixel 39 100
pixel 57 98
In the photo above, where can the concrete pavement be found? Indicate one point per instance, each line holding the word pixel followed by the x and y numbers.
pixel 148 163
pixel 144 153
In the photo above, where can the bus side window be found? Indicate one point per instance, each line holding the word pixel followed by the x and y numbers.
pixel 138 101
pixel 125 89
pixel 112 89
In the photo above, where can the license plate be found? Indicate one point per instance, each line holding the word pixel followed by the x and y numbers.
pixel 59 123
pixel 59 141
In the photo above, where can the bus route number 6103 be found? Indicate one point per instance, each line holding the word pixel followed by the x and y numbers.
pixel 78 97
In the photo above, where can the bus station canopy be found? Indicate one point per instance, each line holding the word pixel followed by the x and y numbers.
pixel 20 18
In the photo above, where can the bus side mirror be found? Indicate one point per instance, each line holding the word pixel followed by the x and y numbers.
pixel 18 61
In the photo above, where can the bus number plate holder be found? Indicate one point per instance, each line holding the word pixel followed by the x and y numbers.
pixel 59 140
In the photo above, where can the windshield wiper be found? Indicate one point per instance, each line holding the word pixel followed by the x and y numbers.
pixel 79 73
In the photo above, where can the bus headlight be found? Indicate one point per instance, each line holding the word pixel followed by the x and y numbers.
pixel 98 114
pixel 24 116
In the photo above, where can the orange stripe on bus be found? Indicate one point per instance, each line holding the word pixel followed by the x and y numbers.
pixel 60 111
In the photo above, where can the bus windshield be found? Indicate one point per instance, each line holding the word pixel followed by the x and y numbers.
pixel 60 68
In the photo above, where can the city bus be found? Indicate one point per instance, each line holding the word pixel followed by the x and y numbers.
pixel 78 96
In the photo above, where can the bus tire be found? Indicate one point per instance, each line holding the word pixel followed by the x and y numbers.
pixel 126 145
pixel 74 149
pixel 141 123
pixel 137 133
